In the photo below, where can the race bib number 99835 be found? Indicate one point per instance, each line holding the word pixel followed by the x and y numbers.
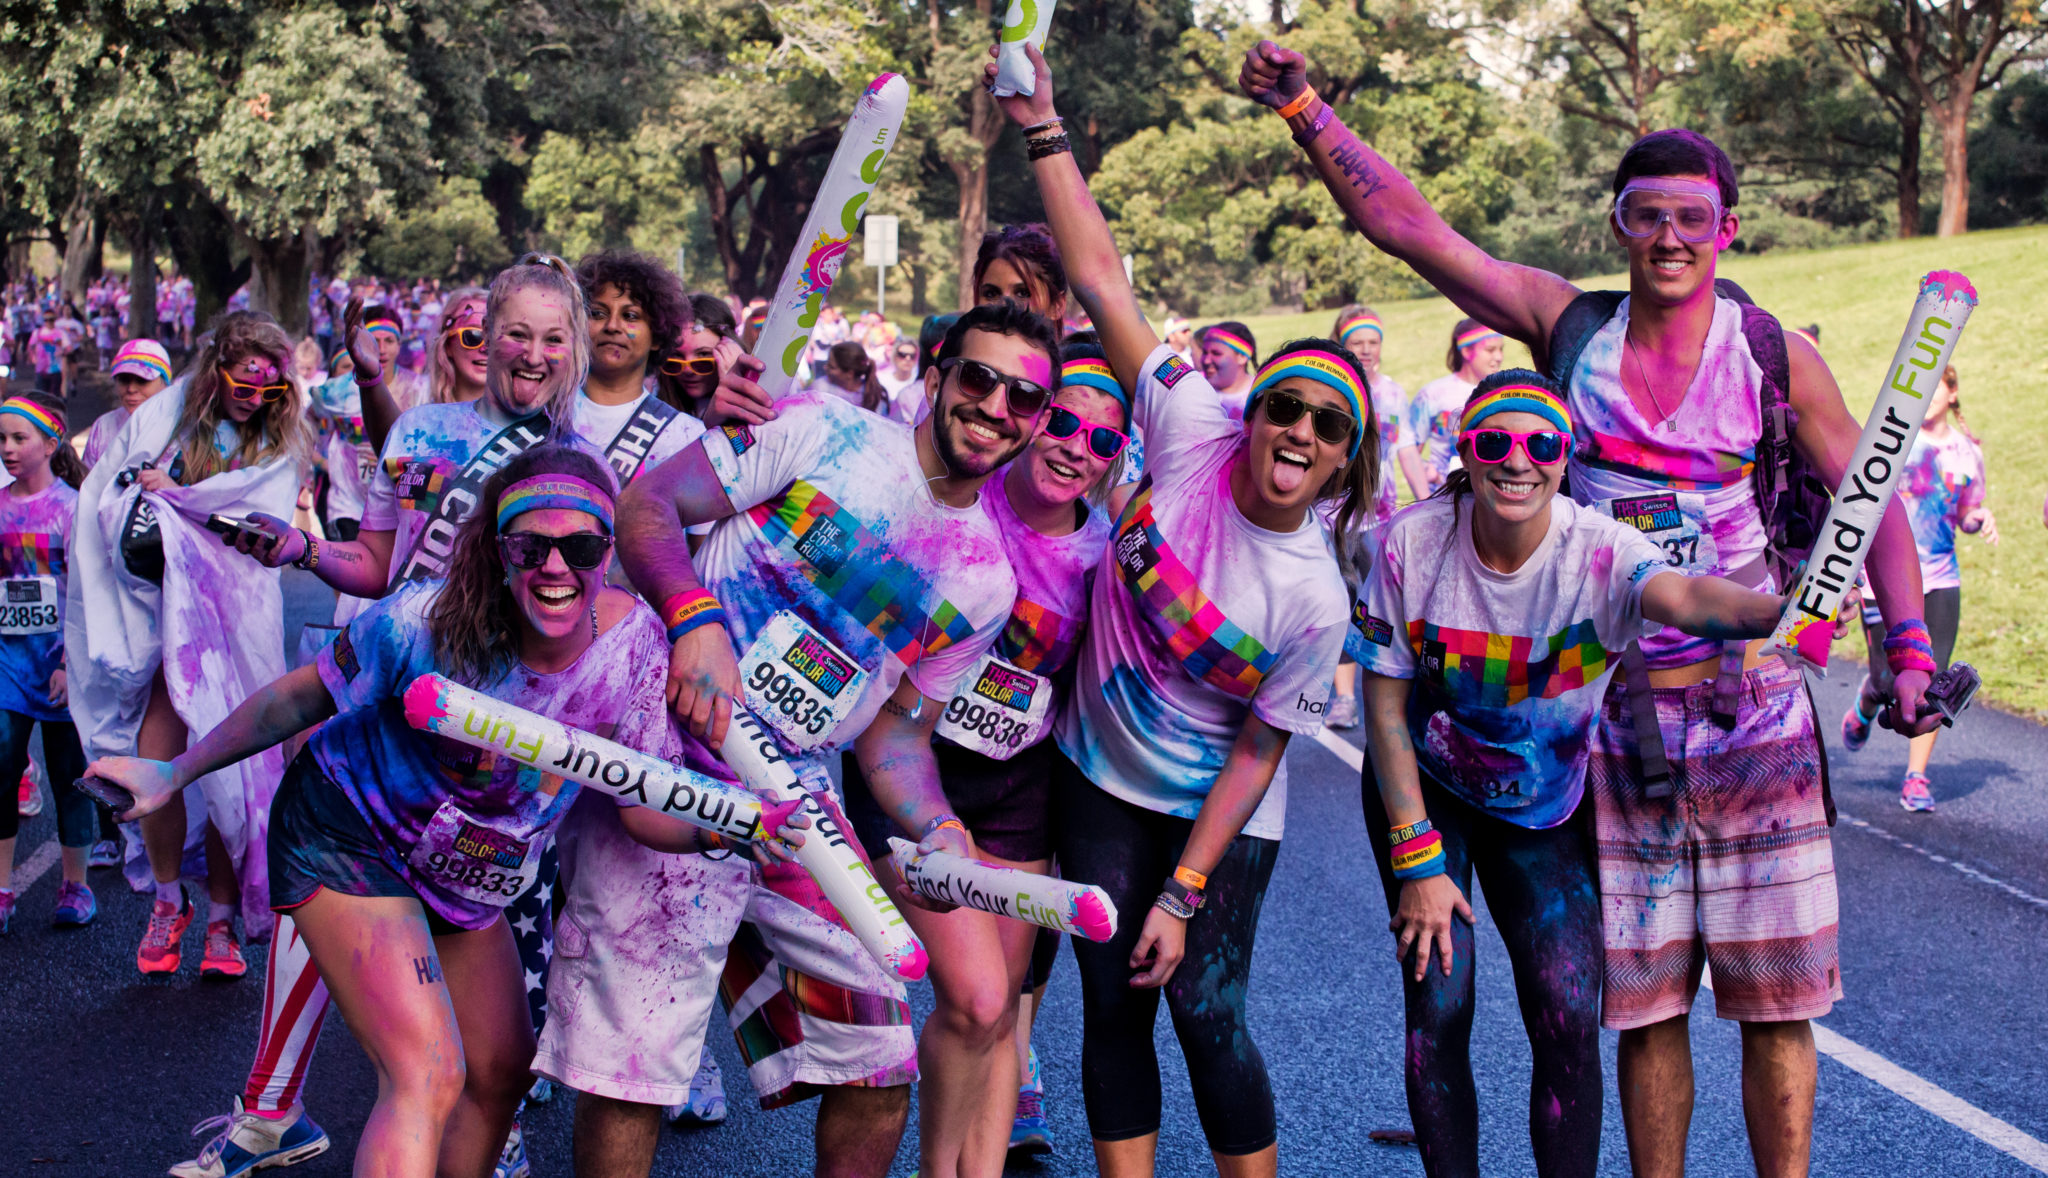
pixel 32 605
pixel 1003 711
pixel 798 682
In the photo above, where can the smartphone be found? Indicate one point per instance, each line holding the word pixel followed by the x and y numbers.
pixel 226 525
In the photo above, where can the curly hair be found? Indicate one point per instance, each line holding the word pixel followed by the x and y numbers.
pixel 647 282
pixel 278 429
pixel 474 623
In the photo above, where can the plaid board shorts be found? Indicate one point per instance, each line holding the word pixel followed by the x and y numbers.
pixel 1734 869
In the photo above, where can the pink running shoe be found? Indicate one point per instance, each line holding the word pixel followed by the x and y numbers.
pixel 159 952
pixel 223 952
pixel 1856 726
pixel 1914 794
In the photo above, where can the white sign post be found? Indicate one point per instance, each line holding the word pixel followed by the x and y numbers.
pixel 878 247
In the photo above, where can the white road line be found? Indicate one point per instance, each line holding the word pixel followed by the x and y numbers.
pixel 1998 1134
pixel 26 875
pixel 2019 894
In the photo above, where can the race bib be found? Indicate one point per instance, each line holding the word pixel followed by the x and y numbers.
pixel 1003 711
pixel 1675 521
pixel 34 605
pixel 798 682
pixel 466 858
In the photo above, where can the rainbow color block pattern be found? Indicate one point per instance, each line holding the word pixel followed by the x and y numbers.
pixel 1501 670
pixel 1212 647
pixel 856 569
pixel 31 554
pixel 1031 640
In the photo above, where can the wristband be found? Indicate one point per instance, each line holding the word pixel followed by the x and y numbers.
pixel 1048 124
pixel 1190 877
pixel 940 823
pixel 1300 103
pixel 310 558
pixel 1420 857
pixel 1047 145
pixel 689 610
pixel 1908 647
pixel 1183 895
pixel 1173 905
pixel 1413 830
pixel 1323 119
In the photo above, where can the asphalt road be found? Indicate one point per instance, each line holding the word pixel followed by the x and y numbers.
pixel 1944 943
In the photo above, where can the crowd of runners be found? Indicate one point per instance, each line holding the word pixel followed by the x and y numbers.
pixel 567 490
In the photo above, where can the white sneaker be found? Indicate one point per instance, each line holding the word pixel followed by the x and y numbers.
pixel 246 1143
pixel 706 1105
pixel 1342 713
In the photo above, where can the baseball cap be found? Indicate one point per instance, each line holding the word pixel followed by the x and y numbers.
pixel 145 358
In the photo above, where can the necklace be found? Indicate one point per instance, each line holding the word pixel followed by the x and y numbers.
pixel 1663 415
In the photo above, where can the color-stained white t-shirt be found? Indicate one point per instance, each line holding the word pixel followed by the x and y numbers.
pixel 1433 421
pixel 1199 618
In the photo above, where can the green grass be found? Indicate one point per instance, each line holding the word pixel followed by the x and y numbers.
pixel 1860 296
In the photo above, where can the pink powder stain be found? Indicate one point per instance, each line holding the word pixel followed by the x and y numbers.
pixel 1952 285
pixel 775 814
pixel 1036 367
pixel 881 80
pixel 426 701
pixel 1811 640
pixel 910 963
pixel 1602 564
pixel 1094 915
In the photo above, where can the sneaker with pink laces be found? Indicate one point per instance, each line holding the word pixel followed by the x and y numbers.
pixel 223 952
pixel 31 798
pixel 160 952
pixel 1914 794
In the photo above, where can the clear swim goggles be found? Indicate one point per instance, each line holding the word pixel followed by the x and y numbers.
pixel 1693 209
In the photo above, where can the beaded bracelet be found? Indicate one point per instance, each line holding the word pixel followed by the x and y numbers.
pixel 1172 905
pixel 1420 857
pixel 1047 125
pixel 1047 145
pixel 1300 103
pixel 690 609
pixel 1908 647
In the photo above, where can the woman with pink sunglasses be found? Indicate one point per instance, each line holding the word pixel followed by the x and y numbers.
pixel 1493 616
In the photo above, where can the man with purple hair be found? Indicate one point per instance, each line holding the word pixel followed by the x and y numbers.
pixel 1695 418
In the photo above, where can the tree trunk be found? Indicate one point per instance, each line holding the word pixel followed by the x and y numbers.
pixel 84 233
pixel 141 279
pixel 1954 118
pixel 202 244
pixel 973 179
pixel 1909 170
pixel 277 281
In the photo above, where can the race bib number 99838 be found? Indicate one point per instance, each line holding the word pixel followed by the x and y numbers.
pixel 798 682
pixel 32 605
pixel 1003 711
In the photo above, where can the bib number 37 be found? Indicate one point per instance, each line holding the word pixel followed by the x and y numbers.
pixel 1003 711
pixel 798 682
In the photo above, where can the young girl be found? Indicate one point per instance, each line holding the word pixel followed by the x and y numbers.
pixel 1943 490
pixel 1214 629
pixel 417 954
pixel 36 512
pixel 151 662
pixel 1475 353
pixel 1494 614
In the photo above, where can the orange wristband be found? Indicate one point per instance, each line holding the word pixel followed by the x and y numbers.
pixel 1191 877
pixel 1299 104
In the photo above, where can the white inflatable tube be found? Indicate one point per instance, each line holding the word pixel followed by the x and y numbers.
pixel 1081 909
pixel 1807 629
pixel 1028 22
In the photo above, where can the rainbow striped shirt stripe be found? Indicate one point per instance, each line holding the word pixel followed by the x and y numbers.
pixel 855 568
pixel 1212 647
pixel 1678 469
pixel 1500 670
pixel 419 482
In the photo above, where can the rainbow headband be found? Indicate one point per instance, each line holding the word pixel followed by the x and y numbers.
pixel 1095 374
pixel 1517 398
pixel 1473 337
pixel 554 490
pixel 1361 323
pixel 38 416
pixel 1320 368
pixel 387 326
pixel 1241 346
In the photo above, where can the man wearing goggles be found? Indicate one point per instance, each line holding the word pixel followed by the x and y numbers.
pixel 1672 387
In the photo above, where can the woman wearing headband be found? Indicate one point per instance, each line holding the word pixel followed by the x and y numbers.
pixel 404 921
pixel 36 511
pixel 1214 627
pixel 1475 353
pixel 1493 616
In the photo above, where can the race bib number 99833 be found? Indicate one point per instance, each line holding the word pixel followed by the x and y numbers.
pixel 798 682
pixel 1003 711
pixel 32 605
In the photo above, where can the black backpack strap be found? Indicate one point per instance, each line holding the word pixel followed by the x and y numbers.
pixel 1582 317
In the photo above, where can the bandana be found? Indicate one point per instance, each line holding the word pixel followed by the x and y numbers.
pixel 1242 347
pixel 1322 369
pixel 555 490
pixel 1095 374
pixel 1366 322
pixel 52 426
pixel 1473 337
pixel 1517 398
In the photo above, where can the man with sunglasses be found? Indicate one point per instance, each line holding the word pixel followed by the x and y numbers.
pixel 1668 387
pixel 849 583
pixel 899 382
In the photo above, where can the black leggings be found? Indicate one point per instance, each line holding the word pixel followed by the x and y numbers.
pixel 1540 888
pixel 78 816
pixel 1129 852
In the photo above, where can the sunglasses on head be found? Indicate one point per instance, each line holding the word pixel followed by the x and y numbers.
pixel 1026 398
pixel 694 365
pixel 1545 447
pixel 1332 425
pixel 244 391
pixel 529 550
pixel 1105 442
pixel 469 337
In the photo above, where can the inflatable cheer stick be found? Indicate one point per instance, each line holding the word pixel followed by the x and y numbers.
pixel 446 708
pixel 1807 627
pixel 835 214
pixel 827 853
pixel 1081 909
pixel 1028 23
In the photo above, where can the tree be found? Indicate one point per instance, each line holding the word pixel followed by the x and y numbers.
pixel 453 236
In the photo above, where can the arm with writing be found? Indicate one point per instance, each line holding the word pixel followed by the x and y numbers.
pixel 895 755
pixel 1422 919
pixel 360 567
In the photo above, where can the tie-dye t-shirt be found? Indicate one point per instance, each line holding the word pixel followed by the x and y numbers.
pixel 1685 480
pixel 1509 668
pixel 398 776
pixel 1943 482
pixel 835 523
pixel 1433 421
pixel 35 533
pixel 1390 413
pixel 1198 618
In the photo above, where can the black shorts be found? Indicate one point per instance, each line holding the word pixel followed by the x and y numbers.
pixel 318 839
pixel 1005 804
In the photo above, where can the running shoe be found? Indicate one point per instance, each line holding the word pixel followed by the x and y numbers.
pixel 160 952
pixel 1031 1133
pixel 223 952
pixel 1914 794
pixel 706 1105
pixel 244 1143
pixel 1856 726
pixel 1343 712
pixel 31 803
pixel 543 1090
pixel 104 853
pixel 7 899
pixel 76 907
pixel 512 1159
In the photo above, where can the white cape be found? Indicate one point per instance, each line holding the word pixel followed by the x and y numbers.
pixel 215 629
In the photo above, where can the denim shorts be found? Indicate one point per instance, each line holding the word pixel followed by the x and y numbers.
pixel 318 839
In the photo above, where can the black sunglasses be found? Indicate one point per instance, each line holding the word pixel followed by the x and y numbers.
pixel 1332 425
pixel 529 550
pixel 1026 398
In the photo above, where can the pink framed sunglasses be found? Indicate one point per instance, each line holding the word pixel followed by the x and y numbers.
pixel 1545 447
